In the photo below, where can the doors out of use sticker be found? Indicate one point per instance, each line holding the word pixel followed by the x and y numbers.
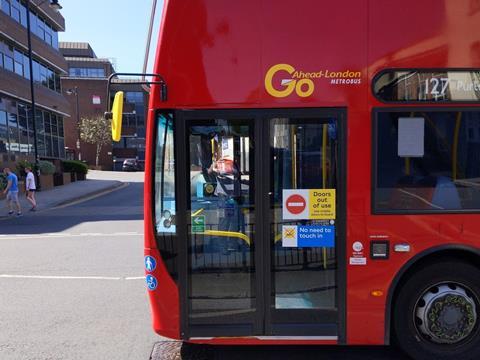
pixel 308 204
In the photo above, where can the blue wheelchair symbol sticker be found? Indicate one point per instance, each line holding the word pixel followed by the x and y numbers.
pixel 151 282
pixel 150 263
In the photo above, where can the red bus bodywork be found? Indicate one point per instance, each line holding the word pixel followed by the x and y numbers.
pixel 215 54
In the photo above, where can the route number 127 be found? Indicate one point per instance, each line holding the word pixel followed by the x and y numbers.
pixel 436 87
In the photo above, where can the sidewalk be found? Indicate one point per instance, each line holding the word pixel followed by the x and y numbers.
pixel 97 182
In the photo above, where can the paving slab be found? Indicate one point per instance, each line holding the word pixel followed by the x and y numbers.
pixel 98 182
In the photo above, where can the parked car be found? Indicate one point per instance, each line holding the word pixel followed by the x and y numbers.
pixel 131 165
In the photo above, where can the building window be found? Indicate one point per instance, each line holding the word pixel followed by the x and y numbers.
pixel 43 75
pixel 40 132
pixel 87 72
pixel 23 128
pixel 60 126
pixel 55 40
pixel 427 161
pixel 61 145
pixel 15 10
pixel 23 15
pixel 16 130
pixel 36 71
pixel 7 53
pixel 33 22
pixel 58 86
pixel 13 132
pixel 16 61
pixel 18 11
pixel 134 96
pixel 6 7
pixel 51 79
pixel 26 67
pixel 3 132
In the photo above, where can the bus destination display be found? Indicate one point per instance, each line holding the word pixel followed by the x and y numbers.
pixel 428 86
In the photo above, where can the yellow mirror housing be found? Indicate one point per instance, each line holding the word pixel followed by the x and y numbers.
pixel 117 114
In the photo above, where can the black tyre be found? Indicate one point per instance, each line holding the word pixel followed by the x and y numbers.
pixel 196 352
pixel 177 350
pixel 436 314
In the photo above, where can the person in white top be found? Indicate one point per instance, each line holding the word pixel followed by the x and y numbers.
pixel 31 188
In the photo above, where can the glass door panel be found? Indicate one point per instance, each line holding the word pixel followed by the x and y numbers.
pixel 221 228
pixel 252 267
pixel 303 185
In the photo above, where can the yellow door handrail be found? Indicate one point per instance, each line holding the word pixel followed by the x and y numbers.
pixel 229 234
pixel 198 212
pixel 221 233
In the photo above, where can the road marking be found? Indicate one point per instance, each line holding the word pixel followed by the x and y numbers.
pixel 65 277
pixel 59 277
pixel 66 235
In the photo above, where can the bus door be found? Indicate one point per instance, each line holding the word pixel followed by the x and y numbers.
pixel 265 223
pixel 306 217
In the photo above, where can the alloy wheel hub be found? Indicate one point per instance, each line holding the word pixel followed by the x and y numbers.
pixel 446 313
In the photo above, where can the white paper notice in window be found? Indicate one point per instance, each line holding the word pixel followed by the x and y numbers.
pixel 411 137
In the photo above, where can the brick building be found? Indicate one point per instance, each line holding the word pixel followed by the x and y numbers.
pixel 132 143
pixel 87 82
pixel 52 109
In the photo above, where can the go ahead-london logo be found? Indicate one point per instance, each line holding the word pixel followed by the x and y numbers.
pixel 282 80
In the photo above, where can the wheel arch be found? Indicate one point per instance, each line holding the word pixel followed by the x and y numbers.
pixel 448 251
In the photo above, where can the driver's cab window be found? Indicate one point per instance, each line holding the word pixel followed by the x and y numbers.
pixel 165 208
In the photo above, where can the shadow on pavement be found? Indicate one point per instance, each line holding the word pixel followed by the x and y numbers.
pixel 120 205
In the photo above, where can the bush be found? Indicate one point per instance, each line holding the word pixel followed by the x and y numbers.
pixel 46 167
pixel 74 166
pixel 3 181
pixel 21 165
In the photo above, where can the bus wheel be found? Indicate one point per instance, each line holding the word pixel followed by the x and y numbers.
pixel 437 312
pixel 191 351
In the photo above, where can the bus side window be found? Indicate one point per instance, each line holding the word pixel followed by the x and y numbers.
pixel 436 168
pixel 165 207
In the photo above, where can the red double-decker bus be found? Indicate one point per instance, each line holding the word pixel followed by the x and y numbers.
pixel 313 174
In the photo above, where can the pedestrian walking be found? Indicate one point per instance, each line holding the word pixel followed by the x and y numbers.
pixel 12 192
pixel 31 188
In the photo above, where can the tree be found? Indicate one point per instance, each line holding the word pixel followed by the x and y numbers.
pixel 96 130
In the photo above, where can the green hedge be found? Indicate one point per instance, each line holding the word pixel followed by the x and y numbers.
pixel 3 181
pixel 46 167
pixel 74 166
pixel 21 165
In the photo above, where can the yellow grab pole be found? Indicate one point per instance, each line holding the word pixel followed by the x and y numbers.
pixel 458 123
pixel 324 177
pixel 324 155
pixel 294 157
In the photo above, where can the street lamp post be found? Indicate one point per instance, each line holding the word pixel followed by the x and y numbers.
pixel 74 91
pixel 56 6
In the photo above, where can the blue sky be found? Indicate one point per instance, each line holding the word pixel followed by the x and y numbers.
pixel 114 28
